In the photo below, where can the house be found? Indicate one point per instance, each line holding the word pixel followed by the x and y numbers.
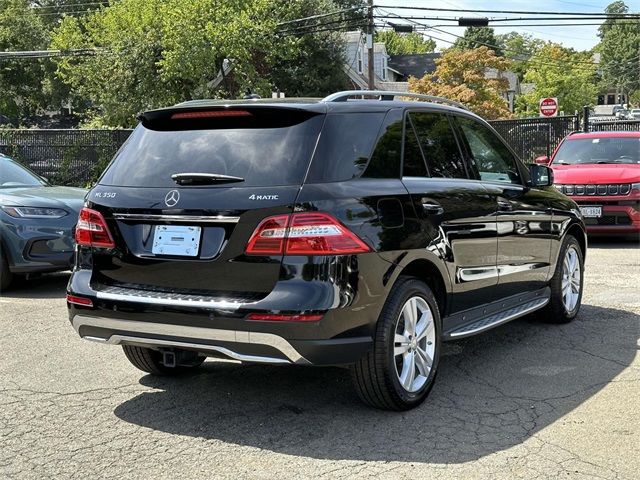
pixel 357 64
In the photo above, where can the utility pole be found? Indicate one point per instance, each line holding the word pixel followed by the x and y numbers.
pixel 371 70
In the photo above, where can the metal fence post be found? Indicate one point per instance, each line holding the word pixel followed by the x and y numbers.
pixel 585 118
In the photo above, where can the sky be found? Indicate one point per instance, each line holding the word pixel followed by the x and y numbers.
pixel 577 37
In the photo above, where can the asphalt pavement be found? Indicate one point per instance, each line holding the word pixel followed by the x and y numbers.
pixel 526 400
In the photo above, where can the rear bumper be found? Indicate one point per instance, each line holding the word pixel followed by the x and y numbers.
pixel 239 345
pixel 346 291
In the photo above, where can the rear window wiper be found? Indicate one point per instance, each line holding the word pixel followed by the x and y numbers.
pixel 203 178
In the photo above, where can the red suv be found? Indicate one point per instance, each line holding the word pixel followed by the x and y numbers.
pixel 601 172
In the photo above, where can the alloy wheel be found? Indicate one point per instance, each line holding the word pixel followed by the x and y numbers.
pixel 414 344
pixel 571 282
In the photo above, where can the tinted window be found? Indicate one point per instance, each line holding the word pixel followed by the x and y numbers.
pixel 599 150
pixel 260 153
pixel 385 160
pixel 439 145
pixel 413 161
pixel 490 157
pixel 15 175
pixel 345 145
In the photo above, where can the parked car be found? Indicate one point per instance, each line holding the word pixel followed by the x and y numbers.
pixel 36 222
pixel 634 114
pixel 619 111
pixel 601 172
pixel 332 232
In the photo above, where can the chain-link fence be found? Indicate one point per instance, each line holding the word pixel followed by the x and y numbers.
pixel 64 157
pixel 78 157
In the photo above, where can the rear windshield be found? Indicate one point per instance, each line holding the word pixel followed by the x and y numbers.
pixel 265 153
pixel 599 150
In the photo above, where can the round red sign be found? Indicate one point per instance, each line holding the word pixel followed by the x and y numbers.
pixel 548 107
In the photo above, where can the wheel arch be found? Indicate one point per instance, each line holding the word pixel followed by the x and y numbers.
pixel 580 235
pixel 428 272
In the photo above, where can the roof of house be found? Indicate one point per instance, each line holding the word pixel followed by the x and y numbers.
pixel 417 65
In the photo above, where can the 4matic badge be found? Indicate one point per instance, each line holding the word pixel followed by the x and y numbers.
pixel 263 197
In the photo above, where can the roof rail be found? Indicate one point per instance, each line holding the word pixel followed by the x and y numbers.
pixel 388 96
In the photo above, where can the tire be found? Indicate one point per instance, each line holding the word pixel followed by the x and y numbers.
pixel 5 274
pixel 150 361
pixel 558 310
pixel 377 375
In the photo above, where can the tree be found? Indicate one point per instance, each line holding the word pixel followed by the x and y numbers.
pixel 461 75
pixel 519 48
pixel 475 37
pixel 559 72
pixel 620 51
pixel 405 43
pixel 154 53
pixel 20 79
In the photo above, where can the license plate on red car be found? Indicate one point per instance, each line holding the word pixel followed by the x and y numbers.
pixel 591 211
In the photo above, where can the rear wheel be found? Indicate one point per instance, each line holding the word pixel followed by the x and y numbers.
pixel 156 362
pixel 566 284
pixel 398 373
pixel 5 274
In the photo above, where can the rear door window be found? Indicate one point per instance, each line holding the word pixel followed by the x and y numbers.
pixel 265 148
pixel 414 165
pixel 439 145
pixel 345 146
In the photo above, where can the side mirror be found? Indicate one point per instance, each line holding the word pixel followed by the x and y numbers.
pixel 543 160
pixel 541 175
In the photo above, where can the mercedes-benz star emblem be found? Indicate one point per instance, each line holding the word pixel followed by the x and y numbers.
pixel 172 198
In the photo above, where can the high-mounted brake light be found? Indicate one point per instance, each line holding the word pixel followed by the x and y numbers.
pixel 92 230
pixel 304 234
pixel 210 114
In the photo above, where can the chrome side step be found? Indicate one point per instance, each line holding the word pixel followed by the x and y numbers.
pixel 141 333
pixel 497 319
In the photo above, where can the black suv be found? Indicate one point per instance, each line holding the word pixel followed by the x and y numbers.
pixel 341 231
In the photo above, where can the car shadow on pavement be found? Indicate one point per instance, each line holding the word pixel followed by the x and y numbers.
pixel 493 392
pixel 48 285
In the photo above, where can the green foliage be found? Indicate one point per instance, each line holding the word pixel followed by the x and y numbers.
pixel 475 37
pixel 519 48
pixel 160 52
pixel 620 51
pixel 20 80
pixel 559 72
pixel 405 43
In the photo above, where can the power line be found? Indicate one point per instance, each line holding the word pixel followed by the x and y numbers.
pixel 517 12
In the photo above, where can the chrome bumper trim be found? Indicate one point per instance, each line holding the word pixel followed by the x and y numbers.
pixel 176 218
pixel 194 333
pixel 160 298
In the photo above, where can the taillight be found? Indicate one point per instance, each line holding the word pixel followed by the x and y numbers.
pixel 304 234
pixel 92 230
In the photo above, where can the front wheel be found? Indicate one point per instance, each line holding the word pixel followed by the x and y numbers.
pixel 5 273
pixel 398 373
pixel 566 284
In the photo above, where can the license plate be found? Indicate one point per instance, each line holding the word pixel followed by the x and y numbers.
pixel 176 240
pixel 591 212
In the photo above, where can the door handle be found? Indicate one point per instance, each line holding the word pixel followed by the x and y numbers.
pixel 504 205
pixel 432 208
